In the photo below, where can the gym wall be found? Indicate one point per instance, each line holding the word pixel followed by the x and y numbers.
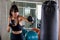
pixel 4 11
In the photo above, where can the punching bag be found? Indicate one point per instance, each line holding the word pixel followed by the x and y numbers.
pixel 49 26
pixel 37 31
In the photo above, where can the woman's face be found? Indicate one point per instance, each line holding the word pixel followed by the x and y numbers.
pixel 15 14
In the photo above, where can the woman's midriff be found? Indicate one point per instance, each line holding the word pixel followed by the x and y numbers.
pixel 17 32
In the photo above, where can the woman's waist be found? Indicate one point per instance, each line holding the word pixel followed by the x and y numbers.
pixel 17 32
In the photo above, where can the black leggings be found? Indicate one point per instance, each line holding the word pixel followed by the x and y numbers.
pixel 16 36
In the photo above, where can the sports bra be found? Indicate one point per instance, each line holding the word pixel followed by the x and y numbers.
pixel 18 27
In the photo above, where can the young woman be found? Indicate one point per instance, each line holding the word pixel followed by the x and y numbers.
pixel 15 23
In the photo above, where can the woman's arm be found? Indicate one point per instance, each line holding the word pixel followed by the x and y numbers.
pixel 8 27
pixel 25 19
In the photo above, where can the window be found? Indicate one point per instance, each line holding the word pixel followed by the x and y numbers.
pixel 39 11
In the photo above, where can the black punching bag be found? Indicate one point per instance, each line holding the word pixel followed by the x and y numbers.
pixel 49 26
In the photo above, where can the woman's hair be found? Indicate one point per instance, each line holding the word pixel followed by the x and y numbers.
pixel 13 9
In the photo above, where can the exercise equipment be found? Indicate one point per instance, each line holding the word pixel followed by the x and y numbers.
pixel 31 35
pixel 37 31
pixel 24 31
pixel 49 28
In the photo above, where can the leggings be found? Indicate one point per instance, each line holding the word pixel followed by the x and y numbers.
pixel 16 36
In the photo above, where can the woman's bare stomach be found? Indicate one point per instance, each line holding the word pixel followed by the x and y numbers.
pixel 17 32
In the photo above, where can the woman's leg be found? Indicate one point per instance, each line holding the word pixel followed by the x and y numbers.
pixel 16 36
pixel 21 37
pixel 12 37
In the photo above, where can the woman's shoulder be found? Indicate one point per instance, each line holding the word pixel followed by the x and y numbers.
pixel 20 16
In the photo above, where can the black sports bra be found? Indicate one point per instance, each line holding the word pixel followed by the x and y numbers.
pixel 18 27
